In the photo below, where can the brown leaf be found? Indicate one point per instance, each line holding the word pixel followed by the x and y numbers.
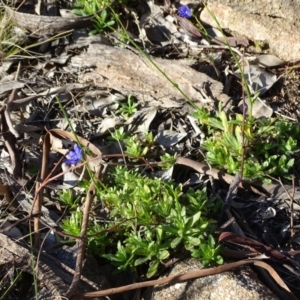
pixel 254 245
pixel 231 41
pixel 10 143
pixel 93 162
pixel 186 24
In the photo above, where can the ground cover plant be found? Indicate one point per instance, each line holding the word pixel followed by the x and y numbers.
pixel 158 219
pixel 270 146
pixel 108 170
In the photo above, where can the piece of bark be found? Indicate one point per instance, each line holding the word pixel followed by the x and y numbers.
pixel 20 257
pixel 51 274
pixel 42 25
pixel 132 73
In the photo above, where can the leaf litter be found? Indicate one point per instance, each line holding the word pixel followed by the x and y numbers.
pixel 82 73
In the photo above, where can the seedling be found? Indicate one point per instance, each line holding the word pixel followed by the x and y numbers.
pixel 118 135
pixel 67 197
pixel 103 21
pixel 168 160
pixel 72 225
pixel 127 108
pixel 134 147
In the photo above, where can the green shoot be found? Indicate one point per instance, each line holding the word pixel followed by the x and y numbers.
pixel 127 108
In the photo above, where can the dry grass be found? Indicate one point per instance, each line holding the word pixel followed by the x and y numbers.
pixel 6 30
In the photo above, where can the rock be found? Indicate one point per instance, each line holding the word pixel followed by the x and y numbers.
pixel 275 22
pixel 239 284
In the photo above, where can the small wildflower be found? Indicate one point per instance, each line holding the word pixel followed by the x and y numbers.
pixel 74 156
pixel 184 11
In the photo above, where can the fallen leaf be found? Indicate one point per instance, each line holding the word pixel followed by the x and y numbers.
pixel 269 60
pixel 6 86
pixel 186 24
pixel 258 80
pixel 168 138
pixel 231 41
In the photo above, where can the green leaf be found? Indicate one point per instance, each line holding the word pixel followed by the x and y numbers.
pixel 225 124
pixel 163 254
pixel 215 123
pixel 140 261
pixel 290 163
pixel 103 15
pixel 176 242
pixel 110 23
pixel 159 231
pixel 211 241
pixel 219 260
pixel 195 218
pixel 193 241
pixel 152 269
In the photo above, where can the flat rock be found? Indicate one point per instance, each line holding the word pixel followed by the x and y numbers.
pixel 239 284
pixel 275 22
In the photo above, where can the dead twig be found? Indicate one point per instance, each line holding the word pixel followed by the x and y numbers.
pixel 292 207
pixel 81 243
pixel 187 276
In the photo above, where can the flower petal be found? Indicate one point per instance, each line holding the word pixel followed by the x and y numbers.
pixel 74 156
pixel 184 11
pixel 78 151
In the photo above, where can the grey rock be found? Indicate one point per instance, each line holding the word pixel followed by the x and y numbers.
pixel 239 284
pixel 275 22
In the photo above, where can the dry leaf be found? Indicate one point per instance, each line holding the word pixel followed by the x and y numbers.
pixel 269 60
pixel 258 80
pixel 186 24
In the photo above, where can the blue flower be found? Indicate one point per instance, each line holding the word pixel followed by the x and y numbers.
pixel 74 156
pixel 184 11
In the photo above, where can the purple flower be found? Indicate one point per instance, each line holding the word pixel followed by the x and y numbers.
pixel 74 156
pixel 184 11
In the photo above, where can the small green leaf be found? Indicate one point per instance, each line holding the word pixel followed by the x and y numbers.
pixel 163 254
pixel 176 242
pixel 141 261
pixel 110 23
pixel 291 163
pixel 152 269
pixel 219 260
pixel 193 241
pixel 103 15
pixel 195 218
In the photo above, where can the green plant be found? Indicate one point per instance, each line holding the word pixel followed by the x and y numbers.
pixel 134 147
pixel 149 138
pixel 168 160
pixel 72 225
pixel 127 108
pixel 269 145
pixel 102 22
pixel 67 197
pixel 118 135
pixel 88 7
pixel 208 252
pixel 156 220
